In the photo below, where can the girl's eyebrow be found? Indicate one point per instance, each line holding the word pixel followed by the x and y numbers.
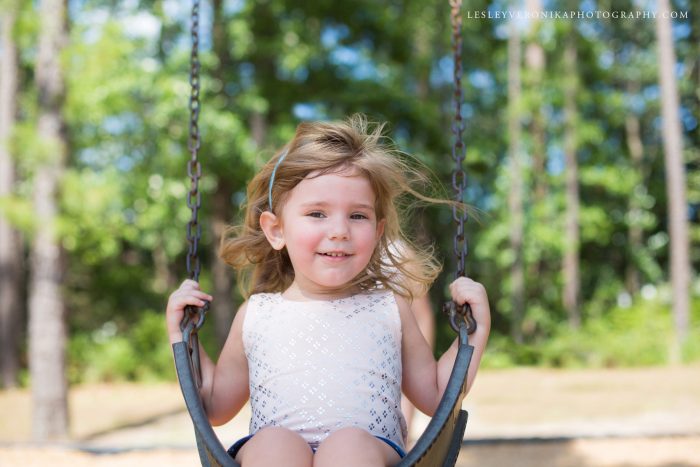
pixel 320 204
pixel 364 206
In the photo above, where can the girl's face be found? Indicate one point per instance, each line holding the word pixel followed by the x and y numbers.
pixel 330 228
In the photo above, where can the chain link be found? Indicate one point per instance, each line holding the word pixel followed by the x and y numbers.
pixel 194 169
pixel 194 317
pixel 459 177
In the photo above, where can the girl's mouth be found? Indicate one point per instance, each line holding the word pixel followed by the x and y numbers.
pixel 335 254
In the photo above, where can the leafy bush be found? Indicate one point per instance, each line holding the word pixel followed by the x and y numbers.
pixel 140 352
pixel 637 335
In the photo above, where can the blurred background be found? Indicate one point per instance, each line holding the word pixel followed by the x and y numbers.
pixel 582 157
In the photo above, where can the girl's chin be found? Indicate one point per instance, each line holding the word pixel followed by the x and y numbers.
pixel 331 288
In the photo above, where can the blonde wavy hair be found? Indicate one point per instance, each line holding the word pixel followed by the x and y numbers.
pixel 330 147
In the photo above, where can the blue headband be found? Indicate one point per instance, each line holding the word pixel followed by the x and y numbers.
pixel 272 177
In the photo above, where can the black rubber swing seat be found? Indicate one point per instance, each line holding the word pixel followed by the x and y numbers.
pixel 439 444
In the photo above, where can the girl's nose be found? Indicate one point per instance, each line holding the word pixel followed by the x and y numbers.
pixel 339 229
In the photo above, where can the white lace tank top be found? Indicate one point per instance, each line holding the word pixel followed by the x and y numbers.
pixel 318 366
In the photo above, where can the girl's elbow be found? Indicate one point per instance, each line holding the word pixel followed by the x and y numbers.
pixel 221 415
pixel 217 420
pixel 430 412
pixel 431 407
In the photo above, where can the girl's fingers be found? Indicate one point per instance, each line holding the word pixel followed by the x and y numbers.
pixel 194 301
pixel 191 299
pixel 179 300
pixel 182 291
pixel 189 284
pixel 192 287
pixel 467 290
pixel 188 294
pixel 201 295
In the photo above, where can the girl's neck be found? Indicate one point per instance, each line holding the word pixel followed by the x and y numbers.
pixel 299 294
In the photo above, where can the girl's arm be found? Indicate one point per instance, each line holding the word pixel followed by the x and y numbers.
pixel 424 379
pixel 224 388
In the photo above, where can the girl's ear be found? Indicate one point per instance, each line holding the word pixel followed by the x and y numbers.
pixel 272 228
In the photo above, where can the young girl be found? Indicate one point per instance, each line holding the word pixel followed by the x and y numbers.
pixel 326 340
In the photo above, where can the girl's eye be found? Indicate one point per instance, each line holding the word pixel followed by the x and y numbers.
pixel 317 214
pixel 357 216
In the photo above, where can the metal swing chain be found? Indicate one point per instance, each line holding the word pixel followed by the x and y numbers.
pixel 459 178
pixel 194 316
pixel 194 169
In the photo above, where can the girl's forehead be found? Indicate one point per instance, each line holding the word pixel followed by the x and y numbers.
pixel 343 171
pixel 336 184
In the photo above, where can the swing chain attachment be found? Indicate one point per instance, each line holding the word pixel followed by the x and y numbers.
pixel 457 313
pixel 190 325
pixel 193 318
pixel 459 178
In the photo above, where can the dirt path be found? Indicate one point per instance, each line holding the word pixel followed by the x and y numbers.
pixel 637 452
pixel 614 452
pixel 607 418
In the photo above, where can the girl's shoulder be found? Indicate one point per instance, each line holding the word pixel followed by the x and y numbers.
pixel 375 294
pixel 386 299
pixel 263 299
pixel 264 296
pixel 258 307
pixel 381 292
pixel 403 305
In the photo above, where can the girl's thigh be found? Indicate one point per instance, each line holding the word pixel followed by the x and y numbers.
pixel 352 447
pixel 275 446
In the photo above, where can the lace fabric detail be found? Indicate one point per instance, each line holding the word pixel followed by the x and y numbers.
pixel 318 366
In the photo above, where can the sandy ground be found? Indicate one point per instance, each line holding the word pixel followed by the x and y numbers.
pixel 523 417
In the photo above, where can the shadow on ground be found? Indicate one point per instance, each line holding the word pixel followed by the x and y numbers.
pixel 605 452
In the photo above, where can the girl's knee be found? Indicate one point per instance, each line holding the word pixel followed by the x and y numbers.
pixel 354 446
pixel 278 433
pixel 273 445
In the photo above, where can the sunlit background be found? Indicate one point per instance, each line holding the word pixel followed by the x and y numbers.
pixel 582 157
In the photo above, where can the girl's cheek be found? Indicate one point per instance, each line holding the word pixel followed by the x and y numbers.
pixel 307 240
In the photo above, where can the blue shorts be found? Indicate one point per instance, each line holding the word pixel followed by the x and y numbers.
pixel 233 450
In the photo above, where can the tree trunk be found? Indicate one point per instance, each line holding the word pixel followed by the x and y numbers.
pixel 47 329
pixel 258 131
pixel 571 230
pixel 535 63
pixel 675 178
pixel 10 241
pixel 635 232
pixel 223 306
pixel 424 51
pixel 516 194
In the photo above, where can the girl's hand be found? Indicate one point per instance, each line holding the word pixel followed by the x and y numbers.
pixel 465 290
pixel 187 294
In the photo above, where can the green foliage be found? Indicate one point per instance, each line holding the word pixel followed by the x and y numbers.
pixel 268 65
pixel 92 214
pixel 18 211
pixel 636 335
pixel 108 354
